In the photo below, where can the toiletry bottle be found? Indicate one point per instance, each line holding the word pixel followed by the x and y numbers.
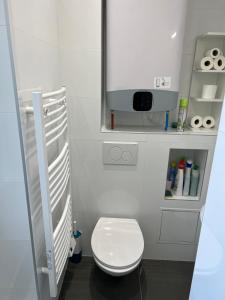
pixel 187 179
pixel 173 173
pixel 169 181
pixel 195 174
pixel 182 115
pixel 180 178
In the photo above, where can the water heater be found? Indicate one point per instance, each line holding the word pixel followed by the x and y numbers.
pixel 144 45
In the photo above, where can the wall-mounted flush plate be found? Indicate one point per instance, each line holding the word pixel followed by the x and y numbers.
pixel 120 153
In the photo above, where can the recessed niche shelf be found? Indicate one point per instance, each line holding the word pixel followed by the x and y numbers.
pixel 183 198
pixel 218 100
pixel 210 71
pixel 203 131
pixel 158 130
pixel 199 158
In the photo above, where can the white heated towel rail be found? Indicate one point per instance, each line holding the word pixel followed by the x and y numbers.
pixel 51 122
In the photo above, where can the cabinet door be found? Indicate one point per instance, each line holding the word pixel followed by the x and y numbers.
pixel 178 226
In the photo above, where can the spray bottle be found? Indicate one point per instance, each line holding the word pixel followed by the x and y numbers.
pixel 180 178
pixel 182 115
pixel 195 174
pixel 187 180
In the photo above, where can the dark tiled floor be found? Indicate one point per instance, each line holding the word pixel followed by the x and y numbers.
pixel 153 280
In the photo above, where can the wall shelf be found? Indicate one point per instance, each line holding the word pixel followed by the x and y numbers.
pixel 155 130
pixel 210 71
pixel 199 78
pixel 183 198
pixel 203 130
pixel 212 35
pixel 205 100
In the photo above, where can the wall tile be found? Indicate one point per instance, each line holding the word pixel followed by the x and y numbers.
pixel 185 76
pixel 37 63
pixel 85 115
pixel 16 261
pixel 208 4
pixel 7 90
pixel 201 21
pixel 14 217
pixel 76 33
pixel 10 153
pixel 2 13
pixel 18 294
pixel 40 21
pixel 82 71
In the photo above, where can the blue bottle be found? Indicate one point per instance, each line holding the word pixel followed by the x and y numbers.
pixel 173 173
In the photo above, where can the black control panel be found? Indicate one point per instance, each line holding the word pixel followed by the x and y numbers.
pixel 142 101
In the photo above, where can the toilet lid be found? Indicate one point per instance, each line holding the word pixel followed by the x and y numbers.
pixel 117 243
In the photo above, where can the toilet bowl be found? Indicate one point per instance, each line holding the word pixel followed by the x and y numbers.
pixel 117 245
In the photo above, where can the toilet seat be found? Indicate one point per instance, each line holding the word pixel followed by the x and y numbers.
pixel 116 272
pixel 117 244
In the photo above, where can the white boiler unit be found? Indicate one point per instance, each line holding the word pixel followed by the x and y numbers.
pixel 144 44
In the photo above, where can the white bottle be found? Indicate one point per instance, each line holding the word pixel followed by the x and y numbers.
pixel 187 180
pixel 180 179
pixel 195 174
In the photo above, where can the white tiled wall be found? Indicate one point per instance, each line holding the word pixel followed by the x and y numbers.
pixel 37 62
pixel 97 190
pixel 2 13
pixel 34 30
pixel 118 191
pixel 17 279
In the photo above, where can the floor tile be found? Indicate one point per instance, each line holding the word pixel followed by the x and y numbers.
pixel 168 280
pixel 153 280
pixel 86 281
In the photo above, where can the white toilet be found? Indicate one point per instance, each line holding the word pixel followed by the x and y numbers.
pixel 117 245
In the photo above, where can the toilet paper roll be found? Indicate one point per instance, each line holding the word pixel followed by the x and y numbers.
pixel 196 122
pixel 214 53
pixel 209 91
pixel 219 63
pixel 206 63
pixel 209 122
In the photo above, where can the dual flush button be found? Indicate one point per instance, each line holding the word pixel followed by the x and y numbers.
pixel 120 153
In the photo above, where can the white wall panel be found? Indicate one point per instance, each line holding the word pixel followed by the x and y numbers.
pixel 34 30
pixel 17 276
pixel 118 191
